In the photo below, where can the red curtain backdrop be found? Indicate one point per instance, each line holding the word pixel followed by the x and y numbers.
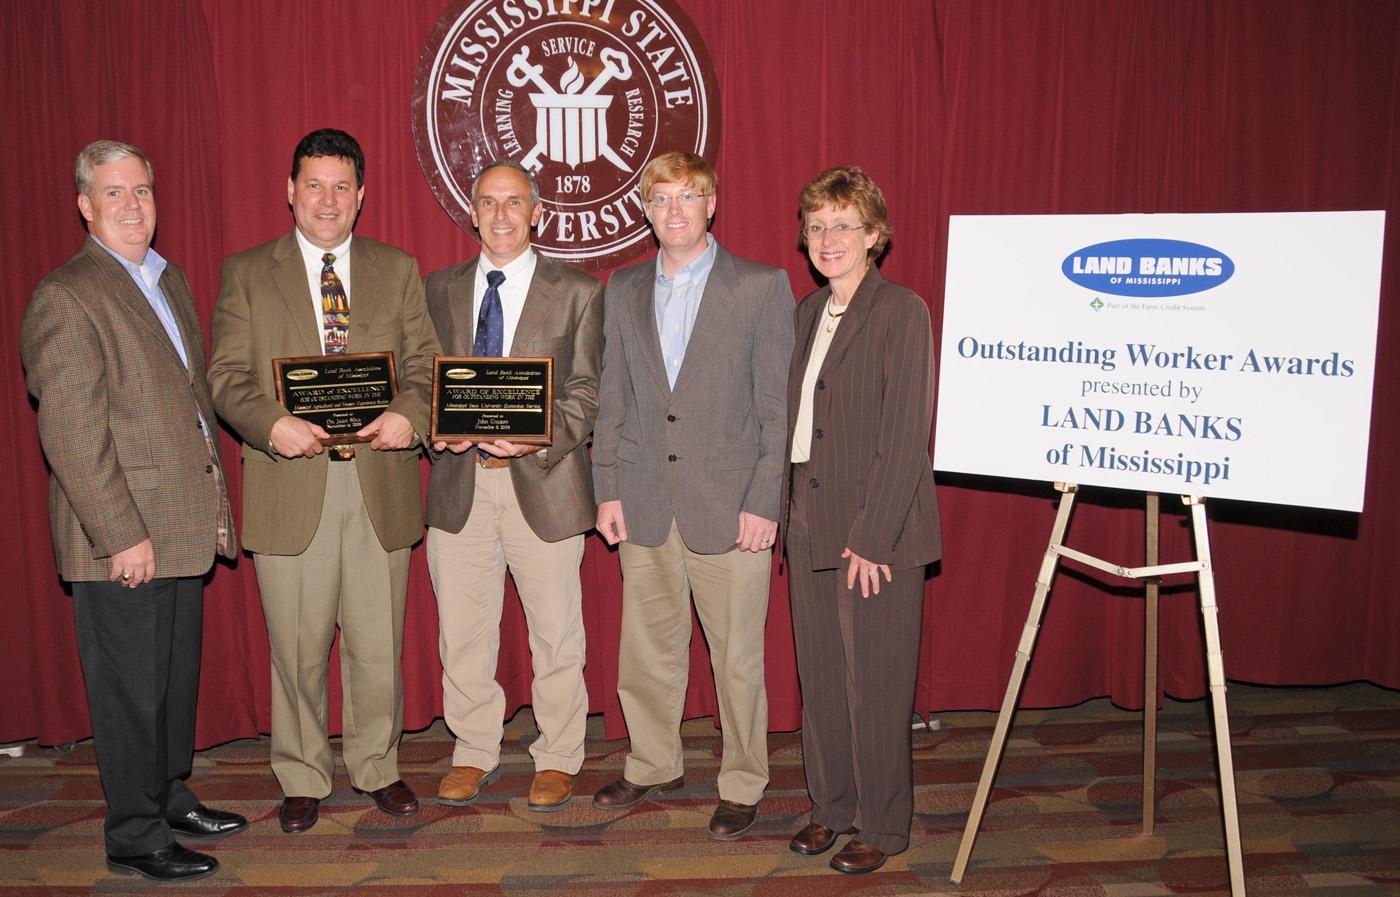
pixel 954 107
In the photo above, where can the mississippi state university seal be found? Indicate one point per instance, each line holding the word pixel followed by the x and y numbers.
pixel 581 92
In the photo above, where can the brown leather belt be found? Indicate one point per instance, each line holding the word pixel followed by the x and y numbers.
pixel 491 461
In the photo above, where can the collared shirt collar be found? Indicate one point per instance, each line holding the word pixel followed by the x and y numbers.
pixel 313 253
pixel 153 265
pixel 698 268
pixel 515 269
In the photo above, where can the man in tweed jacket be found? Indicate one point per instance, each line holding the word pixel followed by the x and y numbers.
pixel 114 353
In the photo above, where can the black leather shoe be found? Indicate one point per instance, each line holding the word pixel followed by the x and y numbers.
pixel 171 863
pixel 205 822
pixel 731 820
pixel 815 839
pixel 298 814
pixel 395 798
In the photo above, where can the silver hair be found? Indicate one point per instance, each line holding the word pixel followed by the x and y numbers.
pixel 101 152
pixel 513 166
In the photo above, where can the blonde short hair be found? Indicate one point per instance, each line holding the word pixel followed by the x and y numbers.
pixel 678 167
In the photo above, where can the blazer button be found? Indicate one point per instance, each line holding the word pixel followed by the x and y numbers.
pixel 670 457
pixel 817 433
pixel 821 384
pixel 670 418
pixel 209 468
pixel 813 483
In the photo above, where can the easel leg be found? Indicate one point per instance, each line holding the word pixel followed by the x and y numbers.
pixel 1149 678
pixel 1215 677
pixel 1013 688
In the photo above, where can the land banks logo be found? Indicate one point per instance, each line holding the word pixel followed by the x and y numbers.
pixel 581 92
pixel 1148 268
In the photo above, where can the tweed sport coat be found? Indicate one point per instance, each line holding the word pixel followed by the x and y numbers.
pixel 563 319
pixel 868 483
pixel 119 419
pixel 264 311
pixel 715 445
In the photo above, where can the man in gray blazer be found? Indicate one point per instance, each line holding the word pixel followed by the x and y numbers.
pixel 504 504
pixel 114 353
pixel 688 461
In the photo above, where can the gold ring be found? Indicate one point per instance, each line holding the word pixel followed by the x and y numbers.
pixel 126 577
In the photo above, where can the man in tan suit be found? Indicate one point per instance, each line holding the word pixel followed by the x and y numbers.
pixel 330 534
pixel 114 353
pixel 688 462
pixel 503 504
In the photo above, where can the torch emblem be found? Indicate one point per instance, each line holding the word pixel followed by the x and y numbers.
pixel 571 123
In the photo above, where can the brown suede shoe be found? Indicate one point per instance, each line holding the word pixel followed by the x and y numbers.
pixel 462 784
pixel 815 839
pixel 551 790
pixel 857 858
pixel 731 820
pixel 623 795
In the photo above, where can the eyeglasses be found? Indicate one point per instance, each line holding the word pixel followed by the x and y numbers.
pixel 688 198
pixel 814 232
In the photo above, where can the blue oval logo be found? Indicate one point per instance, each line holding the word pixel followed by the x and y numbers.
pixel 1148 267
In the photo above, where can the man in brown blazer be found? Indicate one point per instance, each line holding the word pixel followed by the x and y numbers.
pixel 688 462
pixel 330 534
pixel 499 504
pixel 114 353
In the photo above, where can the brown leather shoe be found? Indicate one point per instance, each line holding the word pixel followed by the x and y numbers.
pixel 551 790
pixel 462 784
pixel 623 795
pixel 731 820
pixel 298 814
pixel 857 858
pixel 815 839
pixel 395 798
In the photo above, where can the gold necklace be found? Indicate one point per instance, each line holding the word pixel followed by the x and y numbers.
pixel 834 318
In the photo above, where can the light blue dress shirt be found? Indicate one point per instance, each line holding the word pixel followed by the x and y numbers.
pixel 678 304
pixel 147 278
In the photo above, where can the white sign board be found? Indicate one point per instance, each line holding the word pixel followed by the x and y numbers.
pixel 1226 355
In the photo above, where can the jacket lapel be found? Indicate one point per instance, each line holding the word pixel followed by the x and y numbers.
pixel 182 305
pixel 539 303
pixel 120 285
pixel 711 322
pixel 367 291
pixel 857 312
pixel 809 315
pixel 289 273
pixel 644 319
pixel 461 297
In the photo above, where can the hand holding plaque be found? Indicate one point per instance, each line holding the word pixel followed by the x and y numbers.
pixel 485 399
pixel 339 393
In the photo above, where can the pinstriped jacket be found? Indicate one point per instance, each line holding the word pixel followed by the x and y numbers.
pixel 868 484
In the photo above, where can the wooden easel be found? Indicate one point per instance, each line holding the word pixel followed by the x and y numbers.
pixel 1215 673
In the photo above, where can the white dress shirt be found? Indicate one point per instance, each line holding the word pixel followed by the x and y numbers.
pixel 518 272
pixel 802 430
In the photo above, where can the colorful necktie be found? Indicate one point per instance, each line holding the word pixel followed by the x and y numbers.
pixel 490 322
pixel 335 307
pixel 335 310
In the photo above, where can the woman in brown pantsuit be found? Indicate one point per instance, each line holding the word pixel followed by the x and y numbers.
pixel 861 523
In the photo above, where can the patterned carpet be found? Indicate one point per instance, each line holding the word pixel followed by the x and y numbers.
pixel 1319 795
